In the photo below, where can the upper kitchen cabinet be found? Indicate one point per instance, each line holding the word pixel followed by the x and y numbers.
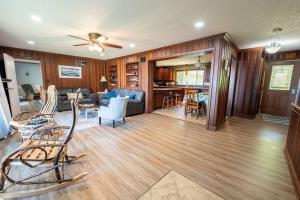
pixel 164 74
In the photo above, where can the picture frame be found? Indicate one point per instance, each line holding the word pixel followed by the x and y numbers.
pixel 69 72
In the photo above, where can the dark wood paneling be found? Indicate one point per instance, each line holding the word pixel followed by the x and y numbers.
pixel 280 56
pixel 292 148
pixel 249 76
pixel 91 72
pixel 221 47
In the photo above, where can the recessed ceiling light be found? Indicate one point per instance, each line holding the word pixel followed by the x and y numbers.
pixel 101 54
pixel 131 45
pixel 35 18
pixel 199 24
pixel 31 42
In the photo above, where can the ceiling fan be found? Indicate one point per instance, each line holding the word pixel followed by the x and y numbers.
pixel 96 42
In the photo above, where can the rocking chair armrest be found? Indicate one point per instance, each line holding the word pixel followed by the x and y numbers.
pixel 42 115
pixel 19 116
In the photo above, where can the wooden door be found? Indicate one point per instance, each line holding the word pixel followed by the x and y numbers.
pixel 10 71
pixel 280 87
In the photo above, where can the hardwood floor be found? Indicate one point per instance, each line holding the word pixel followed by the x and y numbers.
pixel 178 113
pixel 243 160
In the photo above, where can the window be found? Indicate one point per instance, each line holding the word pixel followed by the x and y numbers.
pixel 190 77
pixel 281 77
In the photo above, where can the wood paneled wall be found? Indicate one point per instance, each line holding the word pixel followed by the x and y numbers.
pixel 281 56
pixel 292 148
pixel 248 85
pixel 91 72
pixel 221 47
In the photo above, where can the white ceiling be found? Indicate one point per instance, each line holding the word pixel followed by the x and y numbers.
pixel 148 24
pixel 186 60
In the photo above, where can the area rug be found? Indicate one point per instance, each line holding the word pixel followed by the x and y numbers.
pixel 65 118
pixel 275 119
pixel 174 186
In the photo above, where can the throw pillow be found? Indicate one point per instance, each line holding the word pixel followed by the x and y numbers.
pixel 131 96
pixel 111 94
pixel 72 95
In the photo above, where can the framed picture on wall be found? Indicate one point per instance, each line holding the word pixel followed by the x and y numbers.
pixel 69 71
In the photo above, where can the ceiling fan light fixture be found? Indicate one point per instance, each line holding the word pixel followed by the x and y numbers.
pixel 99 49
pixel 95 47
pixel 102 38
pixel 273 48
pixel 92 48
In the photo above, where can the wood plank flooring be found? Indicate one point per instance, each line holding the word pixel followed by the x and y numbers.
pixel 178 113
pixel 243 160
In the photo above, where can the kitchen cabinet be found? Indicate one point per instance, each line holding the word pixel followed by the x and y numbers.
pixel 164 74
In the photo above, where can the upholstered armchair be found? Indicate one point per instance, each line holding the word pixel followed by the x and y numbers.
pixel 115 110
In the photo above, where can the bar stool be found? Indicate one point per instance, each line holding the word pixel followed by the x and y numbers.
pixel 177 99
pixel 167 101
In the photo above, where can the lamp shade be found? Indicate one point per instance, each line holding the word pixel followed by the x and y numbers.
pixel 103 79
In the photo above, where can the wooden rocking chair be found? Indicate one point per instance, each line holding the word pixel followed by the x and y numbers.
pixel 33 153
pixel 25 121
pixel 46 111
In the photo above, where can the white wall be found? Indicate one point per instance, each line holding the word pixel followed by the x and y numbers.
pixel 34 70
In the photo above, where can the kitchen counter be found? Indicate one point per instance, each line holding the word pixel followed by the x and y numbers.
pixel 163 88
pixel 167 88
pixel 161 91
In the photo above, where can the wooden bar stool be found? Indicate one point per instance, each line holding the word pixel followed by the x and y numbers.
pixel 167 101
pixel 177 99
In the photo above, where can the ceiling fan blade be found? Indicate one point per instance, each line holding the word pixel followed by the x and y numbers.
pixel 76 45
pixel 78 38
pixel 111 45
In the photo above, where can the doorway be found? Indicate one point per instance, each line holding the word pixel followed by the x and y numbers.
pixel 181 87
pixel 30 84
pixel 280 87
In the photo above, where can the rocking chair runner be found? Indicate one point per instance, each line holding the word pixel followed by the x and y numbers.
pixel 40 153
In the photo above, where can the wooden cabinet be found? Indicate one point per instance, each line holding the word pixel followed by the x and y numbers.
pixel 158 95
pixel 292 148
pixel 164 74
pixel 159 74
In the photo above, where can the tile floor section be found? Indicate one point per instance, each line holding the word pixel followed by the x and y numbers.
pixel 174 186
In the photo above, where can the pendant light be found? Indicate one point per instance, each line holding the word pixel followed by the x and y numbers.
pixel 274 46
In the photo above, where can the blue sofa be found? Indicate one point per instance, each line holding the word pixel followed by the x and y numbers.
pixel 136 102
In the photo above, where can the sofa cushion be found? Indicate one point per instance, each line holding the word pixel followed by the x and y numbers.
pixel 66 101
pixel 111 94
pixel 85 92
pixel 64 91
pixel 85 100
pixel 133 101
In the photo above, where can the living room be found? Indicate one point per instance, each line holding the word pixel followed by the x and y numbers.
pixel 149 100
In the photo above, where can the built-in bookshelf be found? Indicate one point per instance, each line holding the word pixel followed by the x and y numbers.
pixel 133 75
pixel 112 74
